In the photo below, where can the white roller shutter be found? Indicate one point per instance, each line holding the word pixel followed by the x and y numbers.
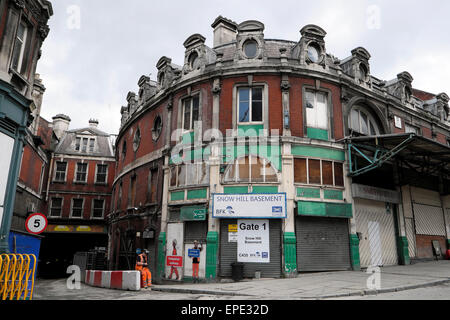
pixel 378 245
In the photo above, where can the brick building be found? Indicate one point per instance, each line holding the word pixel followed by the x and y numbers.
pixel 23 29
pixel 77 195
pixel 281 156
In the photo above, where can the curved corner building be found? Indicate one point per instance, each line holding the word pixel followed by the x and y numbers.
pixel 280 156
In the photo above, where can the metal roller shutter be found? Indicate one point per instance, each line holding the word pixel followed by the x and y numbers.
pixel 322 244
pixel 228 253
pixel 429 220
pixel 378 246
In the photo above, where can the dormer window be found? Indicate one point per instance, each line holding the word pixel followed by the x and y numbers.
pixel 161 79
pixel 313 53
pixel 363 72
pixel 250 48
pixel 408 94
pixel 84 145
pixel 193 60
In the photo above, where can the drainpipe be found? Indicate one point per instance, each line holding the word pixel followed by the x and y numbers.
pixel 49 177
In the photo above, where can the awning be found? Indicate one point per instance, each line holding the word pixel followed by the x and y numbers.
pixel 413 151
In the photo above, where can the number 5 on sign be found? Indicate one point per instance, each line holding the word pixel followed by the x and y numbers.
pixel 36 223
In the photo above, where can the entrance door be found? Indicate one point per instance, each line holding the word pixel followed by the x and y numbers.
pixel 378 245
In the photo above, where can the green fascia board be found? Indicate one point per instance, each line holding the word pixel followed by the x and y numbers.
pixel 333 195
pixel 197 194
pixel 318 134
pixel 235 190
pixel 318 152
pixel 193 213
pixel 324 209
pixel 308 193
pixel 265 189
pixel 177 196
pixel 250 130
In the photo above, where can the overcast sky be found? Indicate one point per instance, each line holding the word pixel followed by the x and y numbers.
pixel 98 49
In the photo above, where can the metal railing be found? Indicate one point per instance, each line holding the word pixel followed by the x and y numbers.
pixel 17 276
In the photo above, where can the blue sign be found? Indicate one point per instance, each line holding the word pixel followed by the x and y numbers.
pixel 193 253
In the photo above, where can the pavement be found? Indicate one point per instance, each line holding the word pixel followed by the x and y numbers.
pixel 326 285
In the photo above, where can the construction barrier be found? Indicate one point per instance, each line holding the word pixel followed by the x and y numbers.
pixel 121 280
pixel 17 276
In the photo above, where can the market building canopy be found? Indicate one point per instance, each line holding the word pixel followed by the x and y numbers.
pixel 413 151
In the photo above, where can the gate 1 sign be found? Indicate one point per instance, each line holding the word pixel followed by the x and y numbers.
pixel 253 241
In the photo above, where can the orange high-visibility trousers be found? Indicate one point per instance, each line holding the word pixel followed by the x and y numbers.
pixel 195 268
pixel 146 276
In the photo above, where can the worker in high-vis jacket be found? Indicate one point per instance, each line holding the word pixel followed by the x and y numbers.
pixel 142 266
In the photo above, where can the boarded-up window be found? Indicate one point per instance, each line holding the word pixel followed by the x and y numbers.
pixel 251 169
pixel 327 173
pixel 310 171
pixel 314 171
pixel 339 174
pixel 300 175
pixel 243 167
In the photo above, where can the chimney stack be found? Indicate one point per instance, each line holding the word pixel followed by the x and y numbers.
pixel 225 31
pixel 61 124
pixel 93 123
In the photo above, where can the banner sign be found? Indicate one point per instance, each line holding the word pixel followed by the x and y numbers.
pixel 253 241
pixel 249 206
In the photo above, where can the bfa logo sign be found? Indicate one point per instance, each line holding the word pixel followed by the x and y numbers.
pixel 228 211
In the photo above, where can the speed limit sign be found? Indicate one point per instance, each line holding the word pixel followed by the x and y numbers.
pixel 36 223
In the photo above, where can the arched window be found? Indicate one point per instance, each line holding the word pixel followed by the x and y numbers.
pixel 362 122
pixel 251 169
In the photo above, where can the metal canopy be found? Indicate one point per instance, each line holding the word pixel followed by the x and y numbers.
pixel 413 151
